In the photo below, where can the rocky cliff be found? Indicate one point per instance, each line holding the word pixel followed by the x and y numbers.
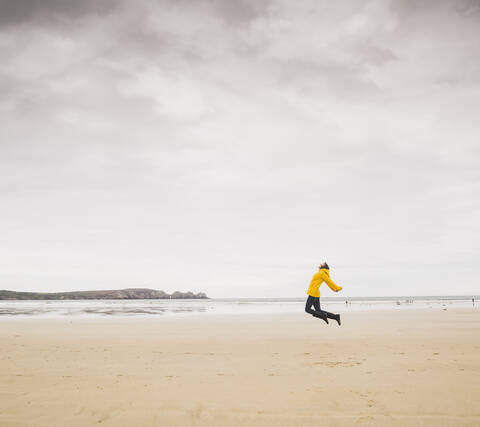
pixel 131 293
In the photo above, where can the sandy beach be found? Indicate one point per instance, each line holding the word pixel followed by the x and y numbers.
pixel 408 367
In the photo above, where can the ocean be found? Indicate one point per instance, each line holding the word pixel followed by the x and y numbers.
pixel 215 306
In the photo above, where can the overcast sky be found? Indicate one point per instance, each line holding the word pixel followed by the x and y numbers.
pixel 231 146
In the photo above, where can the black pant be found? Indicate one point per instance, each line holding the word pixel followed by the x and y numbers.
pixel 318 312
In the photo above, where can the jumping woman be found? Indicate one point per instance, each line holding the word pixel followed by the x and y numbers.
pixel 323 275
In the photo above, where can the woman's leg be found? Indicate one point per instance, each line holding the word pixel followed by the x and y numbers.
pixel 316 313
pixel 316 305
pixel 308 305
pixel 336 317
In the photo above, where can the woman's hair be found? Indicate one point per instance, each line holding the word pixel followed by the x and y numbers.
pixel 325 265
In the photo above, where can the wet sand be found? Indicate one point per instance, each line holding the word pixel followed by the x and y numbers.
pixel 406 367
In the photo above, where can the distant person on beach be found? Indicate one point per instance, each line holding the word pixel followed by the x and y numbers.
pixel 323 275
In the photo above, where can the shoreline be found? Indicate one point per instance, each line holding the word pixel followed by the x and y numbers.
pixel 206 317
pixel 160 309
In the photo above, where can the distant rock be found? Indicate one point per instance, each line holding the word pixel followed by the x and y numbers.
pixel 188 295
pixel 131 293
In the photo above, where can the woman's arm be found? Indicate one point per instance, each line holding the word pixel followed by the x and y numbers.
pixel 330 283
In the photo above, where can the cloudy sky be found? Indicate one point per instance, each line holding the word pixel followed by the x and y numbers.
pixel 230 146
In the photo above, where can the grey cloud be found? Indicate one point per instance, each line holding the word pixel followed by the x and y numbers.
pixel 344 81
pixel 468 7
pixel 372 54
pixel 242 11
pixel 18 12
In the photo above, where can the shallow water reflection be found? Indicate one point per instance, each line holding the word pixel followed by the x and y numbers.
pixel 109 308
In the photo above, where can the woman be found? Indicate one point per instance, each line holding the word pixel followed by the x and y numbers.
pixel 323 275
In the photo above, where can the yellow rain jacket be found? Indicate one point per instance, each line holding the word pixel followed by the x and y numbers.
pixel 323 275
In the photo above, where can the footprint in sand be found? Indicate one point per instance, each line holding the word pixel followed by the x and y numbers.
pixel 338 364
pixel 80 410
pixel 364 419
pixel 196 412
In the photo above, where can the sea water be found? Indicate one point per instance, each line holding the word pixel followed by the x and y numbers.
pixel 238 306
